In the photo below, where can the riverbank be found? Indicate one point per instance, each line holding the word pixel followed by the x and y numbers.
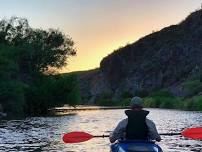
pixel 67 110
pixel 149 102
pixel 160 99
pixel 170 102
pixel 44 133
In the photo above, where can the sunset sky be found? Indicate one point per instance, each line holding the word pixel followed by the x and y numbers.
pixel 98 27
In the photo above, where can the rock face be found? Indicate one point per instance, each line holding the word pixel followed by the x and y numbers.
pixel 92 83
pixel 161 59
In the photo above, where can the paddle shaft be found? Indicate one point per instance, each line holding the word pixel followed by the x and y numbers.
pixel 170 134
pixel 75 137
pixel 163 134
pixel 101 136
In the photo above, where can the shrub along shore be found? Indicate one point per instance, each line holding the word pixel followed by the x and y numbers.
pixel 29 59
pixel 158 99
pixel 190 104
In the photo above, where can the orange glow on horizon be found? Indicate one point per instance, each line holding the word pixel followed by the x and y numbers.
pixel 89 56
pixel 93 57
pixel 98 27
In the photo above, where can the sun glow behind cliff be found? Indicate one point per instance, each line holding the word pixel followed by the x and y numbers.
pixel 98 27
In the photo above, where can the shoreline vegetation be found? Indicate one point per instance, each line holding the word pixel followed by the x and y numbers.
pixel 159 99
pixel 68 110
pixel 162 98
pixel 149 102
pixel 30 58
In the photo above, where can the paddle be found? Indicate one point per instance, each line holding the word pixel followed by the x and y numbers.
pixel 76 137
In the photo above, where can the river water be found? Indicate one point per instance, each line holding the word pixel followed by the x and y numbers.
pixel 44 133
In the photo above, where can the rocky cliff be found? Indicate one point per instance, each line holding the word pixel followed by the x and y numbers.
pixel 159 60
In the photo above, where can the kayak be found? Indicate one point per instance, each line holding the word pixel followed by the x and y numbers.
pixel 135 146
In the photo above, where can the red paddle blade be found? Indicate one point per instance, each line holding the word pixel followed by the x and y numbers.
pixel 194 133
pixel 75 137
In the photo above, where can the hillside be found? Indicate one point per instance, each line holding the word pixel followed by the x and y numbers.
pixel 164 59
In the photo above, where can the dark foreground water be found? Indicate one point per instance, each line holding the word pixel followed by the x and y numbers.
pixel 44 133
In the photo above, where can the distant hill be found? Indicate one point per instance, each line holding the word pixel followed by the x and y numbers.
pixel 164 59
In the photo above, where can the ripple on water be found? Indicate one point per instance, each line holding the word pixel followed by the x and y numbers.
pixel 44 133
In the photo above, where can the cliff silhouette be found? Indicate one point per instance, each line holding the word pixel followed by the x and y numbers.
pixel 163 59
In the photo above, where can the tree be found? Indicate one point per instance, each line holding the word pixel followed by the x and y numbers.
pixel 43 49
pixel 11 90
pixel 25 56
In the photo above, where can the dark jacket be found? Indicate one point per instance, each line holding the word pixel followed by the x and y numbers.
pixel 136 128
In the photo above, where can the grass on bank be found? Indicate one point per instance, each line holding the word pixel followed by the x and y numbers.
pixel 158 99
pixel 194 103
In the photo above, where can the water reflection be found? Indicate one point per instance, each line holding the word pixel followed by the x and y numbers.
pixel 44 134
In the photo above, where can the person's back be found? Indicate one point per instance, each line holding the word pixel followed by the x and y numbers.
pixel 136 126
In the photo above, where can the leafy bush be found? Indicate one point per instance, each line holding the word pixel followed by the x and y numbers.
pixel 170 102
pixel 42 48
pixel 105 99
pixel 162 99
pixel 194 103
pixel 126 94
pixel 51 91
pixel 161 93
pixel 194 86
pixel 123 102
pixel 188 104
pixel 191 84
pixel 25 56
pixel 12 97
pixel 12 89
pixel 197 101
pixel 149 102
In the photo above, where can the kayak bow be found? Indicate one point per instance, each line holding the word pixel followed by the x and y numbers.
pixel 135 146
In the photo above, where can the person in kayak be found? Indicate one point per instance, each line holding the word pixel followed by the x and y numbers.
pixel 136 126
